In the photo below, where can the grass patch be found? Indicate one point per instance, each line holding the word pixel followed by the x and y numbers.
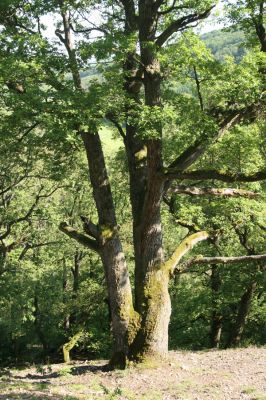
pixel 183 386
pixel 252 392
pixel 249 390
pixel 77 386
pixel 111 393
pixel 66 371
pixel 152 395
pixel 95 384
pixel 15 385
pixel 41 386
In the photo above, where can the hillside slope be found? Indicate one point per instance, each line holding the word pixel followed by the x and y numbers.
pixel 207 375
pixel 225 43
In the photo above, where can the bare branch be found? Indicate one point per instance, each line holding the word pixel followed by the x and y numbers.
pixel 180 24
pixel 116 124
pixel 216 175
pixel 199 191
pixel 80 237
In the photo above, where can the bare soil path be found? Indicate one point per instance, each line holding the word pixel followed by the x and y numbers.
pixel 206 375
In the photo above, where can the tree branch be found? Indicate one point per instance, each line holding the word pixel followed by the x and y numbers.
pixel 80 237
pixel 90 228
pixel 173 7
pixel 16 87
pixel 198 88
pixel 221 260
pixel 217 175
pixel 180 24
pixel 205 191
pixel 116 124
pixel 89 30
pixel 30 246
pixel 230 119
pixel 25 217
pixel 184 247
pixel 193 152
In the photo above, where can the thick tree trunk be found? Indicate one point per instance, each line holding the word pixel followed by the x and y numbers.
pixel 152 337
pixel 152 297
pixel 243 310
pixel 136 151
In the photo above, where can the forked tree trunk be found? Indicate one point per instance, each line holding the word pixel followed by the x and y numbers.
pixel 142 330
pixel 152 297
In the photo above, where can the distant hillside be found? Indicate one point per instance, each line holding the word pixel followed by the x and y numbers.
pixel 225 43
pixel 222 43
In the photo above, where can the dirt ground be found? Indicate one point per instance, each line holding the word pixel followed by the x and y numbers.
pixel 214 375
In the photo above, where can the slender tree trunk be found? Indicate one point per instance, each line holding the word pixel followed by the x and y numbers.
pixel 67 317
pixel 3 254
pixel 37 323
pixel 124 318
pixel 216 322
pixel 243 310
pixel 75 272
pixel 75 287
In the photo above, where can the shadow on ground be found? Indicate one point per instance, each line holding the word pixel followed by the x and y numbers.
pixel 74 370
pixel 32 396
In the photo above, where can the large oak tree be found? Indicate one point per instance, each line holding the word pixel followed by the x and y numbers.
pixel 135 47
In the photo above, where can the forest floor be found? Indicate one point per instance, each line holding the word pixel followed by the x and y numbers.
pixel 204 375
